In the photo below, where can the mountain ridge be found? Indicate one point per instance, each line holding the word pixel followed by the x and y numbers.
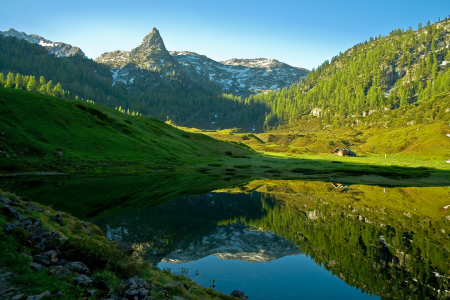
pixel 59 49
pixel 242 77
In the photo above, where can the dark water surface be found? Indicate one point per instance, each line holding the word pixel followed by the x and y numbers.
pixel 272 239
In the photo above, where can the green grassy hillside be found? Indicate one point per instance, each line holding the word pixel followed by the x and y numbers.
pixel 87 132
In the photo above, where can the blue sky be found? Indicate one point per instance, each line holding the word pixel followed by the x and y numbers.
pixel 300 33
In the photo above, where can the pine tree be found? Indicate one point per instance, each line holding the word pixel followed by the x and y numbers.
pixel 58 91
pixel 9 80
pixel 2 79
pixel 32 84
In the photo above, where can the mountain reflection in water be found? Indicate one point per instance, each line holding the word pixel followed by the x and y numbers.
pixel 390 242
pixel 396 254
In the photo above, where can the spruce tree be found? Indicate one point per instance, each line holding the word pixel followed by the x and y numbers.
pixel 2 79
pixel 9 80
pixel 32 84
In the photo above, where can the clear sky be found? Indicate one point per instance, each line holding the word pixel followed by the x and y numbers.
pixel 300 33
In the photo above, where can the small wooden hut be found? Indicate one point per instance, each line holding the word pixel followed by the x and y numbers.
pixel 343 152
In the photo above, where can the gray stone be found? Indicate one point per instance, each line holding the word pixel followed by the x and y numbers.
pixel 17 297
pixel 4 200
pixel 136 283
pixel 34 207
pixel 59 271
pixel 36 267
pixel 58 153
pixel 58 218
pixel 136 294
pixel 59 294
pixel 61 262
pixel 46 259
pixel 85 229
pixel 82 280
pixel 11 212
pixel 78 267
pixel 238 294
pixel 40 296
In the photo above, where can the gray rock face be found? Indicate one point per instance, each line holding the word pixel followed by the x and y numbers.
pixel 82 280
pixel 46 259
pixel 136 283
pixel 239 294
pixel 78 267
pixel 40 296
pixel 57 48
pixel 236 242
pixel 137 289
pixel 241 77
pixel 36 267
pixel 59 271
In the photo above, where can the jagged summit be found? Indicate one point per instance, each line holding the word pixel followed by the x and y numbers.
pixel 153 39
pixel 241 77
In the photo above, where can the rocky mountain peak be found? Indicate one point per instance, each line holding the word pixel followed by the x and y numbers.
pixel 153 39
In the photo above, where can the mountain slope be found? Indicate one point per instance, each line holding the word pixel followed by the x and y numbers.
pixel 382 74
pixel 57 48
pixel 242 77
pixel 44 124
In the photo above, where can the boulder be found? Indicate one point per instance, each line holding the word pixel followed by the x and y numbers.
pixel 4 200
pixel 58 153
pixel 136 283
pixel 40 296
pixel 59 271
pixel 136 294
pixel 34 207
pixel 36 267
pixel 85 229
pixel 58 218
pixel 239 294
pixel 11 212
pixel 78 267
pixel 61 262
pixel 59 294
pixel 82 280
pixel 46 259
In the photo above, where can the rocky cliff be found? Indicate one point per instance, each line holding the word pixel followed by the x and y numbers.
pixel 57 48
pixel 240 77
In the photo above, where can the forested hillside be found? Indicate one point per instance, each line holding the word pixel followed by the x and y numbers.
pixel 384 73
pixel 176 96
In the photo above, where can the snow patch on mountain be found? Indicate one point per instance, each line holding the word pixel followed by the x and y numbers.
pixel 58 49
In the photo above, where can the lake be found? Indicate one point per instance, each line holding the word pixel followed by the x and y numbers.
pixel 280 239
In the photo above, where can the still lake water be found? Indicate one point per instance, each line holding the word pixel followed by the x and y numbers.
pixel 275 239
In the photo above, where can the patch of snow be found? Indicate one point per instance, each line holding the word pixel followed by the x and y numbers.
pixel 42 43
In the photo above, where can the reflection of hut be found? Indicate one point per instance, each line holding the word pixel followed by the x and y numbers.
pixel 339 185
pixel 343 152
